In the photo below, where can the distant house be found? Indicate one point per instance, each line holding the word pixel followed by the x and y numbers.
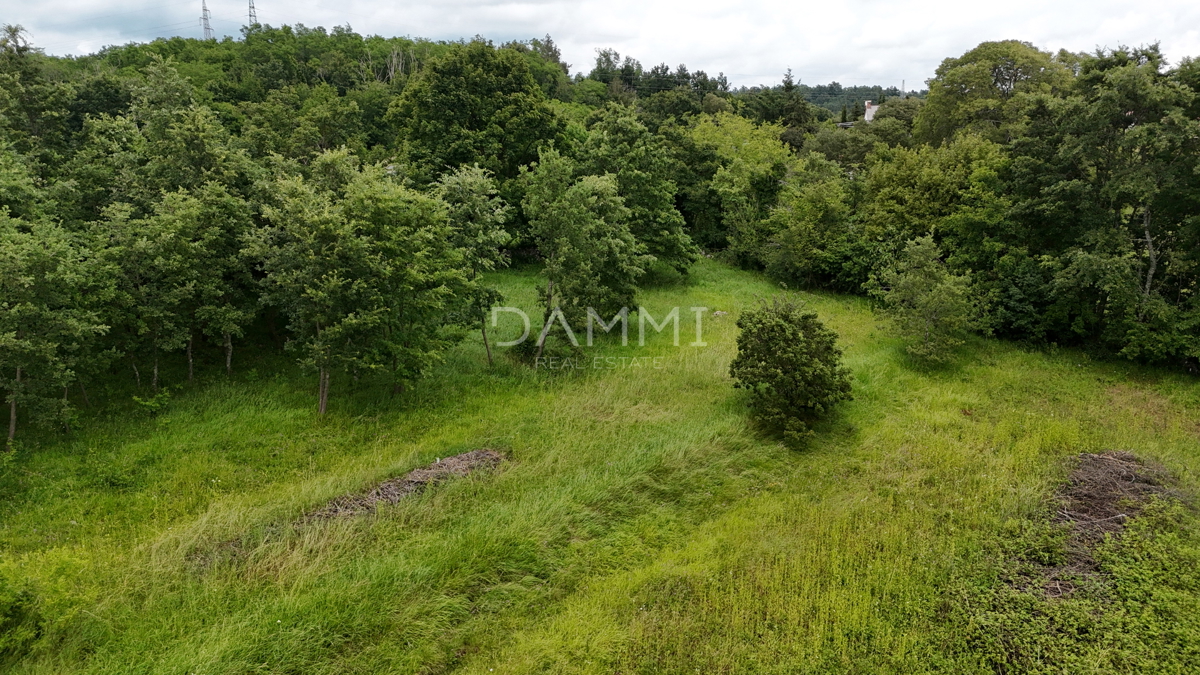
pixel 869 111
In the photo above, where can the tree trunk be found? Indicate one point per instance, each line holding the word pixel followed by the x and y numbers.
pixel 486 344
pixel 86 401
pixel 154 381
pixel 228 353
pixel 12 412
pixel 191 363
pixel 1153 262
pixel 137 374
pixel 549 305
pixel 322 391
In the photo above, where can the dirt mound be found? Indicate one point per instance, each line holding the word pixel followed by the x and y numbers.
pixel 412 482
pixel 1101 494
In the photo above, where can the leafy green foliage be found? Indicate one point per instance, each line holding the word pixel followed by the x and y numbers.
pixel 792 366
pixel 20 624
pixel 299 121
pixel 363 270
pixel 754 162
pixel 477 218
pixel 984 91
pixel 930 307
pixel 619 145
pixel 810 228
pixel 49 288
pixel 592 258
pixel 475 104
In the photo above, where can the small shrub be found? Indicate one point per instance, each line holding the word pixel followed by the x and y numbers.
pixel 792 366
pixel 156 403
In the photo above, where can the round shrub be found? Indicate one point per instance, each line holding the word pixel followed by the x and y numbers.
pixel 792 366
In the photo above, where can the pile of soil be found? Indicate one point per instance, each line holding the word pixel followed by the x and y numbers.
pixel 412 482
pixel 1101 495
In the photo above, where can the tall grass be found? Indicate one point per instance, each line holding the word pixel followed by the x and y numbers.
pixel 639 524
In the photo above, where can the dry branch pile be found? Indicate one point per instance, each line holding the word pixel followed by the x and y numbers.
pixel 414 481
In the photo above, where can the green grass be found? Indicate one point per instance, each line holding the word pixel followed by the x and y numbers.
pixel 640 524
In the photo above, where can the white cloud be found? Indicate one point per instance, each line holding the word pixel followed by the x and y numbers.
pixel 853 42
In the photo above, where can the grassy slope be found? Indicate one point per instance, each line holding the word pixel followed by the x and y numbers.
pixel 640 526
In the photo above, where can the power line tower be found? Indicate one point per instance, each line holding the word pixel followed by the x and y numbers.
pixel 253 14
pixel 204 17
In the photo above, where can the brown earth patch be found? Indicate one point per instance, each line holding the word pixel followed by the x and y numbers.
pixel 1101 495
pixel 392 491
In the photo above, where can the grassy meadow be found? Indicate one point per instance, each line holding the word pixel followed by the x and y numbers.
pixel 640 524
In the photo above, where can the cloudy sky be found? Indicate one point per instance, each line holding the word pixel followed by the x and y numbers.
pixel 851 41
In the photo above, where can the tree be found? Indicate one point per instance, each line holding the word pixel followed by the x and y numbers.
pixel 1105 189
pixel 984 90
pixel 224 299
pixel 477 218
pixel 300 121
pixel 165 262
pixel 581 227
pixel 932 309
pixel 810 227
pixel 620 145
pixel 791 365
pixel 474 104
pixel 362 267
pixel 754 163
pixel 46 317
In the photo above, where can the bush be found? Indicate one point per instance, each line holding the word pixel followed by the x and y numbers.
pixel 792 366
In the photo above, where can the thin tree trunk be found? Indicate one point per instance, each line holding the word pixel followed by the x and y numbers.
pixel 154 381
pixel 12 412
pixel 228 353
pixel 322 391
pixel 549 305
pixel 1153 256
pixel 191 363
pixel 137 374
pixel 86 401
pixel 486 344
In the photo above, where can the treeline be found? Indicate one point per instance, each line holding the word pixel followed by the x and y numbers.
pixel 156 198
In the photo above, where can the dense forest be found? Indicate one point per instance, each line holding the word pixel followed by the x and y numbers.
pixel 343 197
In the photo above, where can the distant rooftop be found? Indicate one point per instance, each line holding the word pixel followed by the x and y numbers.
pixel 869 111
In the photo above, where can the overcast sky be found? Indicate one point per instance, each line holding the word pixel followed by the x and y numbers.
pixel 851 41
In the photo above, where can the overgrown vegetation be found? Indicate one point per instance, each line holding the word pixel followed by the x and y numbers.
pixel 198 236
